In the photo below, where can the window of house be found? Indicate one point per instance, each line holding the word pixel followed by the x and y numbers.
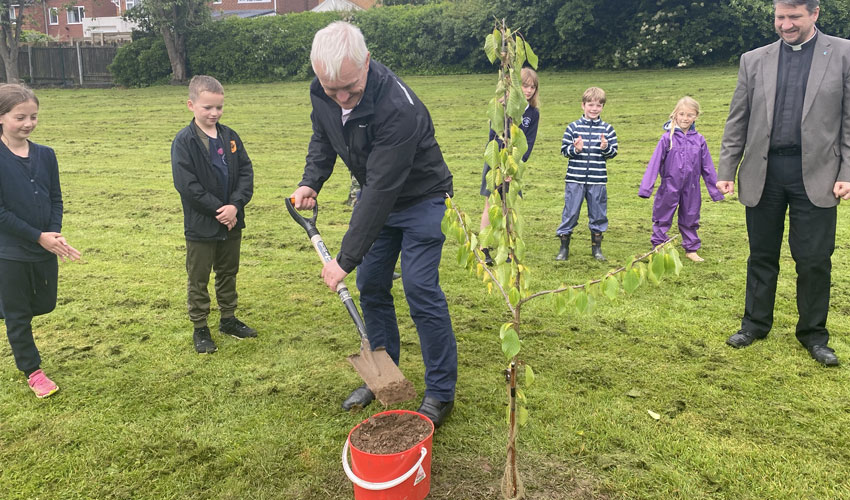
pixel 217 1
pixel 76 14
pixel 131 4
pixel 13 12
pixel 54 15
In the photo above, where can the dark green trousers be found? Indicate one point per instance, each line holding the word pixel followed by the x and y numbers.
pixel 221 257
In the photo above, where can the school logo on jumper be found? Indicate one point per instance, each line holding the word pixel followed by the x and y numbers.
pixel 232 146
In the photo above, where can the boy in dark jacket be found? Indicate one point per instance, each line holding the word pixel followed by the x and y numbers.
pixel 215 179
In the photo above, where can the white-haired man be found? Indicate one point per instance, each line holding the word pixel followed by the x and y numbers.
pixel 365 114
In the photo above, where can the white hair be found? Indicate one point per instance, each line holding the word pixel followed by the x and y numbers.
pixel 333 44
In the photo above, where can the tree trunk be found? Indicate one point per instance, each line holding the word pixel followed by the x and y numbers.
pixel 10 64
pixel 175 45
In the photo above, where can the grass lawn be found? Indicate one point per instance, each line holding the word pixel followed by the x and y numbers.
pixel 141 416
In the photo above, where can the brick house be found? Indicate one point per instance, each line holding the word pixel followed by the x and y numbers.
pixel 70 20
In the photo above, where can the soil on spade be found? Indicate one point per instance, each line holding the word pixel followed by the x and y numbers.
pixel 390 433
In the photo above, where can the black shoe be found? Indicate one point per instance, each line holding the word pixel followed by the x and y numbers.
pixel 203 341
pixel 564 252
pixel 596 247
pixel 236 328
pixel 436 411
pixel 741 338
pixel 487 259
pixel 823 355
pixel 359 398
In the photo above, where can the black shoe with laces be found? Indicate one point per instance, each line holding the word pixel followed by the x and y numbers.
pixel 203 341
pixel 236 328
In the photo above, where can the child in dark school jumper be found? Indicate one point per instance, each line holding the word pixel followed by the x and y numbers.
pixel 30 225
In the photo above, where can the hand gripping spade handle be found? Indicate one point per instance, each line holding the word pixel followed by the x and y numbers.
pixel 376 368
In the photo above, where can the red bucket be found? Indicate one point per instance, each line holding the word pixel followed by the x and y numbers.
pixel 398 476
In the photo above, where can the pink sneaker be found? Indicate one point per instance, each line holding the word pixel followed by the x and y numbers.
pixel 41 385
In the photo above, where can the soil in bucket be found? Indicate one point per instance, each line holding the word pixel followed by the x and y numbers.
pixel 388 433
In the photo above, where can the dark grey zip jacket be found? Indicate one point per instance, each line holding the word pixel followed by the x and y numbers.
pixel 388 145
pixel 196 180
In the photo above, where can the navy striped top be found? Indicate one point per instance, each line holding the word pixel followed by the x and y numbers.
pixel 588 166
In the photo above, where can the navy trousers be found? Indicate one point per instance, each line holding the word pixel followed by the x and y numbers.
pixel 811 237
pixel 414 233
pixel 27 289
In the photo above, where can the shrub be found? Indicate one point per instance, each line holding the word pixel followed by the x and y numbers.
pixel 141 63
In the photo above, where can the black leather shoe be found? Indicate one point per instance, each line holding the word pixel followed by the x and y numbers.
pixel 823 355
pixel 741 339
pixel 359 398
pixel 436 411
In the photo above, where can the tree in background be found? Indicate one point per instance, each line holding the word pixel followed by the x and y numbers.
pixel 10 34
pixel 174 20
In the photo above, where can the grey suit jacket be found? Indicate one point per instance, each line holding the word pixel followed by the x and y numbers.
pixel 825 126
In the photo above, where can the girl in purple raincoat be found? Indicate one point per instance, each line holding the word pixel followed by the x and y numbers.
pixel 681 158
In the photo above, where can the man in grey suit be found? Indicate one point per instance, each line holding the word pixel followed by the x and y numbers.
pixel 788 138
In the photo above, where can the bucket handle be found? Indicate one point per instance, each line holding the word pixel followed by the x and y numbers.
pixel 366 485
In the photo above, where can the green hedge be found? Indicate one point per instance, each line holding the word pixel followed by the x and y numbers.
pixel 446 37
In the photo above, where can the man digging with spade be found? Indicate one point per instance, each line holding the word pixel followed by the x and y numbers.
pixel 365 114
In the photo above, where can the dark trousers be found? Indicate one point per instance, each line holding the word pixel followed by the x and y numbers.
pixel 416 234
pixel 812 240
pixel 27 289
pixel 223 258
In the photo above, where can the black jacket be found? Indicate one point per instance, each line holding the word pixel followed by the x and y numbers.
pixel 196 180
pixel 30 203
pixel 388 144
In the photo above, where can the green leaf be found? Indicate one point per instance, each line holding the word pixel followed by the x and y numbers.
pixel 513 296
pixel 520 249
pixel 611 287
pixel 497 42
pixel 678 263
pixel 560 303
pixel 446 223
pixel 520 52
pixel 518 142
pixel 520 395
pixel 581 301
pixel 631 280
pixel 522 415
pixel 501 255
pixel 510 344
pixel 658 266
pixel 531 57
pixel 529 376
pixel 490 47
pixel 461 254
pixel 491 153
pixel 505 327
pixel 591 304
pixel 496 115
pixel 516 99
pixel 503 273
pixel 669 263
pixel 652 277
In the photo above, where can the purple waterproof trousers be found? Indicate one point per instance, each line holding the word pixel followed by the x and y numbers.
pixel 680 168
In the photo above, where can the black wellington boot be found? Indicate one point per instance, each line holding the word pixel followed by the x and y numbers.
pixel 596 246
pixel 564 252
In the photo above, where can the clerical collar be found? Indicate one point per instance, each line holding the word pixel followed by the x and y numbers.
pixel 800 46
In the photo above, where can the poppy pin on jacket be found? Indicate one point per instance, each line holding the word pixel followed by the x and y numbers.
pixel 232 146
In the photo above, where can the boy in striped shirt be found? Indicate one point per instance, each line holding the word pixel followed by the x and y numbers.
pixel 588 142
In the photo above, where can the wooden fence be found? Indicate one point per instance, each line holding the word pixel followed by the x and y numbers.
pixel 75 65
